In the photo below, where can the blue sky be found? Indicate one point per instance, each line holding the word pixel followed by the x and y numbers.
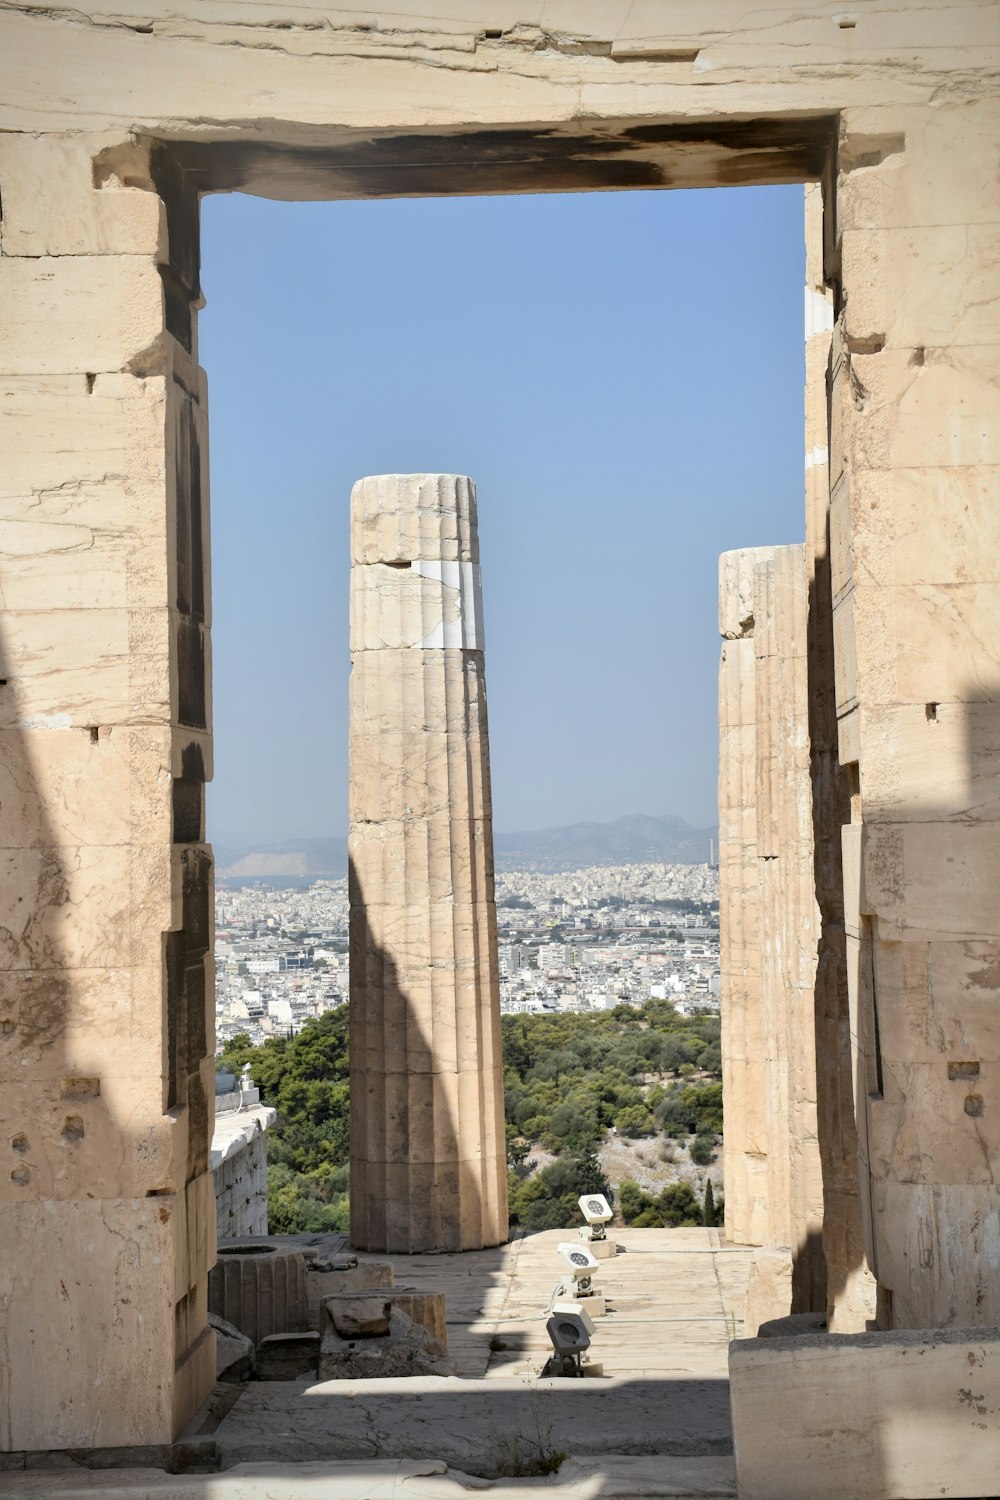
pixel 621 373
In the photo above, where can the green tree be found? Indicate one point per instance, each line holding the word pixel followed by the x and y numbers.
pixel 305 1077
pixel 678 1206
pixel 635 1121
pixel 702 1150
pixel 708 1211
pixel 631 1200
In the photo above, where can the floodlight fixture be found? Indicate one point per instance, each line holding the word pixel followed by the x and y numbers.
pixel 598 1213
pixel 569 1308
pixel 569 1335
pixel 582 1265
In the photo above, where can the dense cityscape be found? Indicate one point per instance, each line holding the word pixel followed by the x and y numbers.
pixel 579 940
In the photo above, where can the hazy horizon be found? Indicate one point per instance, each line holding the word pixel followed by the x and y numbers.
pixel 293 838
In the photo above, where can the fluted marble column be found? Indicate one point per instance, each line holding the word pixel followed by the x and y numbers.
pixel 769 931
pixel 428 1155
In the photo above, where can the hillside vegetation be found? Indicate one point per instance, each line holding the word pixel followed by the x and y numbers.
pixel 570 1080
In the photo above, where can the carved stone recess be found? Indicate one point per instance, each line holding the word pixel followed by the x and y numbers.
pixel 428 1156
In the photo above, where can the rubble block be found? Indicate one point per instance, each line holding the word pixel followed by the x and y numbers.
pixel 259 1287
pixel 286 1356
pixel 407 1349
pixel 325 1278
pixel 348 1311
pixel 876 1416
pixel 234 1352
pixel 359 1317
pixel 425 1308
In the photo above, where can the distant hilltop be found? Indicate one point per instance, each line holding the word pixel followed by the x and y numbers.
pixel 634 840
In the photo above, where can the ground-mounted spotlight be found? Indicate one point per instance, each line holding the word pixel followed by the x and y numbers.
pixel 576 1281
pixel 598 1213
pixel 569 1334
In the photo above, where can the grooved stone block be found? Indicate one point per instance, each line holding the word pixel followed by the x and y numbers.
pixel 259 1288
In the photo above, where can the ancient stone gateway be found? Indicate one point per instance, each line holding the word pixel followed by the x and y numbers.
pixel 112 125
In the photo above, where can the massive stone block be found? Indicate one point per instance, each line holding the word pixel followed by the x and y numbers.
pixel 107 1214
pixel 916 1414
pixel 428 1154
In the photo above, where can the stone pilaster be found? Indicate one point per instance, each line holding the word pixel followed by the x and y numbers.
pixel 107 1214
pixel 769 929
pixel 789 919
pixel 915 574
pixel 850 1291
pixel 746 1133
pixel 428 1154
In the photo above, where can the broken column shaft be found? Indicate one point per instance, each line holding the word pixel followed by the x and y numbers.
pixel 428 1155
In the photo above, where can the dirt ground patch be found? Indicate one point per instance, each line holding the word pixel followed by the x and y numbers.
pixel 643 1160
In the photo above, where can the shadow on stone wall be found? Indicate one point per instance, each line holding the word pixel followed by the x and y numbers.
pixel 71 1272
pixel 824 1265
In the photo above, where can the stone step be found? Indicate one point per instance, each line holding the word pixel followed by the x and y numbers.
pixel 613 1478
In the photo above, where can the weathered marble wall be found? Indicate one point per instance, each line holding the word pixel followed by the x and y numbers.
pixel 106 1014
pixel 915 570
pixel 239 1170
pixel 899 646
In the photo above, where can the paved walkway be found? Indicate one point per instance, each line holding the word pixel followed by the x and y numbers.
pixel 674 1301
pixel 656 1425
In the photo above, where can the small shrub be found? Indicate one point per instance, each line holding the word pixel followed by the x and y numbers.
pixel 702 1150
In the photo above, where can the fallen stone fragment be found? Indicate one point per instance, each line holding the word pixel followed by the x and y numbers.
pixel 425 1308
pixel 286 1356
pixel 359 1317
pixel 234 1352
pixel 328 1276
pixel 407 1349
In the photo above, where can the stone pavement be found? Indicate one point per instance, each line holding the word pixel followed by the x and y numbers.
pixel 656 1425
pixel 674 1301
pixel 673 1295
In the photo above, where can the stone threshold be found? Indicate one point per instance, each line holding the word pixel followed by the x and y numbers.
pixel 651 1477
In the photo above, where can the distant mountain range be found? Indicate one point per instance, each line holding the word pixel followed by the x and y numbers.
pixel 632 840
